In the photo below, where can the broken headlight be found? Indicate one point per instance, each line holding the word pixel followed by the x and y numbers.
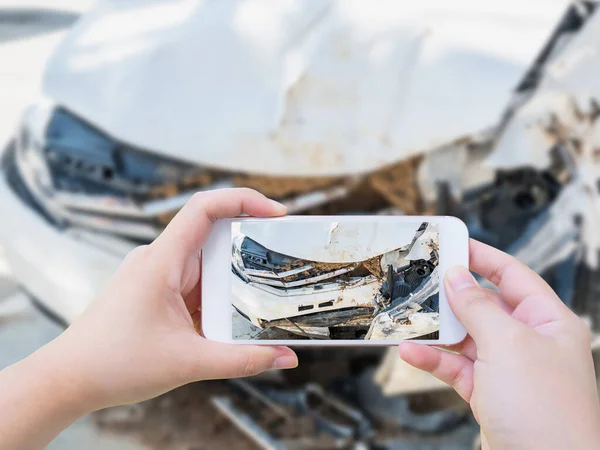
pixel 84 178
pixel 28 158
pixel 236 258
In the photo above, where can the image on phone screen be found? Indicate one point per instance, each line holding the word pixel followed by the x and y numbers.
pixel 335 279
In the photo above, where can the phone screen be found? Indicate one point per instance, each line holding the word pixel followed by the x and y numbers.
pixel 335 279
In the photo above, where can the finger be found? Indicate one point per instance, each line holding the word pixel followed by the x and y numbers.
pixel 454 370
pixel 515 280
pixel 189 229
pixel 467 346
pixel 497 299
pixel 219 360
pixel 473 306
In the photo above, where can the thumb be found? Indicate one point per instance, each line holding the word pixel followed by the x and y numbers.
pixel 187 232
pixel 219 360
pixel 474 307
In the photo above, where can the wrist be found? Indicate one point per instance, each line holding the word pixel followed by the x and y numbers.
pixel 57 378
pixel 43 400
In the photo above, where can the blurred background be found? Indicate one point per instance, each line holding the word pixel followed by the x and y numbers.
pixel 113 113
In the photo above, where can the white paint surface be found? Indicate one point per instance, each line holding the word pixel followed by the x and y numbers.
pixel 334 241
pixel 297 87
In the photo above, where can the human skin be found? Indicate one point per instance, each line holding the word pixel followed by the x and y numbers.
pixel 138 338
pixel 525 366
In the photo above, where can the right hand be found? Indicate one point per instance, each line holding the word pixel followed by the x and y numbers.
pixel 525 366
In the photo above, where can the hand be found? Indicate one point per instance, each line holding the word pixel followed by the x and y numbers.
pixel 525 367
pixel 137 339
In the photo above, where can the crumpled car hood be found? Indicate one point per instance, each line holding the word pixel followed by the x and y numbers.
pixel 296 87
pixel 331 241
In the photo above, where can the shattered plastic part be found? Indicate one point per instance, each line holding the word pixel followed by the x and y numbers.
pixel 565 94
pixel 360 316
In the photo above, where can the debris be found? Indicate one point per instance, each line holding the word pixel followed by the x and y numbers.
pixel 180 419
pixel 330 318
pixel 314 418
pixel 373 265
pixel 245 424
pixel 464 437
pixel 285 187
pixel 336 300
pixel 321 419
pixel 415 327
pixel 393 376
pixel 398 184
pixel 399 410
pixel 132 414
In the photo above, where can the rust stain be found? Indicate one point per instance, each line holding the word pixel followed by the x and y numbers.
pixel 570 128
pixel 373 265
pixel 398 183
pixel 281 187
pixel 316 155
pixel 328 267
pixel 196 180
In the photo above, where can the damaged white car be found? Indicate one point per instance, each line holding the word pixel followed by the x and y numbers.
pixel 483 110
pixel 339 283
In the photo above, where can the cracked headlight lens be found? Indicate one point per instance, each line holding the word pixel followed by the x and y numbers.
pixel 30 149
pixel 236 257
pixel 29 157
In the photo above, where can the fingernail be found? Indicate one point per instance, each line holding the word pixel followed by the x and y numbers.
pixel 279 206
pixel 285 362
pixel 460 278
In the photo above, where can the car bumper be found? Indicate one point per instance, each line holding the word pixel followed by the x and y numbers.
pixel 61 270
pixel 258 305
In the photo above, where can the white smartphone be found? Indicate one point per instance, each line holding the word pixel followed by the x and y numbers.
pixel 331 280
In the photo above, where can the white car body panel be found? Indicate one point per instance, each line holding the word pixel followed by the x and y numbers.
pixel 331 241
pixel 571 81
pixel 258 304
pixel 296 87
pixel 327 241
pixel 65 273
pixel 563 109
